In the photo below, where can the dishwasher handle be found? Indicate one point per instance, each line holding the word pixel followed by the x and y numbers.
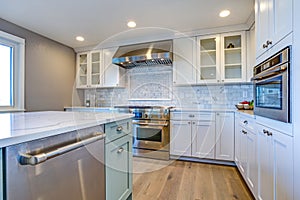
pixel 27 159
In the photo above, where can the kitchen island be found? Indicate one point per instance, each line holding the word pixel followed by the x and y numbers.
pixel 18 129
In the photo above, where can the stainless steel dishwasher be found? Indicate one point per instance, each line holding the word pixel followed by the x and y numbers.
pixel 66 166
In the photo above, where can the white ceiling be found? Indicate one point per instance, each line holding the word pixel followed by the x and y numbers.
pixel 97 20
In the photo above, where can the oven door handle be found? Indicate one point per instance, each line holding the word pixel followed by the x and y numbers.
pixel 269 73
pixel 149 124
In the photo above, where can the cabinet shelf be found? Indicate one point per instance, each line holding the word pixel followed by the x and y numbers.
pixel 208 51
pixel 233 49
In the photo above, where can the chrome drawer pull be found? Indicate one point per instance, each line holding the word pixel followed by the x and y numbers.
pixel 120 150
pixel 27 159
pixel 119 128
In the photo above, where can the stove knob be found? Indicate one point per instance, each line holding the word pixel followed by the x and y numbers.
pixel 146 115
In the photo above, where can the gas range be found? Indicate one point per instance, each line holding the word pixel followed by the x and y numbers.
pixel 151 130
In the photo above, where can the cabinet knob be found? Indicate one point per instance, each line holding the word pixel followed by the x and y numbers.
pixel 120 150
pixel 265 46
pixel 194 122
pixel 269 133
pixel 191 115
pixel 189 122
pixel 119 128
pixel 245 122
pixel 269 42
pixel 245 132
pixel 265 131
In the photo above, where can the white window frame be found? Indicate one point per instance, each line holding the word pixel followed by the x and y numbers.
pixel 18 45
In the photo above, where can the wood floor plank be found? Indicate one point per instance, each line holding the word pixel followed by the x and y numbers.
pixel 180 180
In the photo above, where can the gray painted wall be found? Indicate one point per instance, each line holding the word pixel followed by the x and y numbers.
pixel 49 70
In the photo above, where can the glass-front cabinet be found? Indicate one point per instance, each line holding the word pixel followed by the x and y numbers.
pixel 221 58
pixel 209 62
pixel 88 69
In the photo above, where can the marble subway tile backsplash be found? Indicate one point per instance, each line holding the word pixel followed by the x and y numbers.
pixel 154 87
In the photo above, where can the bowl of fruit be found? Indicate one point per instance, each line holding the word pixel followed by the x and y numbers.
pixel 246 105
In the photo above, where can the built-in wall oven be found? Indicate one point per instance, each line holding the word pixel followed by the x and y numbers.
pixel 272 87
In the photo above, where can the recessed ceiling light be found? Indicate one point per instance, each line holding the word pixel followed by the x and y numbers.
pixel 224 13
pixel 131 24
pixel 80 38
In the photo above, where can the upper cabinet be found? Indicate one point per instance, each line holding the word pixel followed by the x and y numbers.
pixel 221 58
pixel 113 75
pixel 88 69
pixel 273 20
pixel 95 69
pixel 210 59
pixel 184 68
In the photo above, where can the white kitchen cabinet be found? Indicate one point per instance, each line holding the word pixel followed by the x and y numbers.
pixel 184 65
pixel 275 164
pixel 1 176
pixel 274 21
pixel 193 134
pixel 221 58
pixel 246 150
pixel 113 75
pixel 224 136
pixel 95 70
pixel 203 139
pixel 180 138
pixel 208 58
pixel 89 69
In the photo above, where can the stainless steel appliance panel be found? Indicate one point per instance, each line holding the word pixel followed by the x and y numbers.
pixel 77 174
pixel 272 87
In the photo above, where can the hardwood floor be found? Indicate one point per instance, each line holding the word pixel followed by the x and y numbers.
pixel 180 180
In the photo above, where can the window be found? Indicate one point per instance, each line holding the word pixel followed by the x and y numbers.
pixel 11 72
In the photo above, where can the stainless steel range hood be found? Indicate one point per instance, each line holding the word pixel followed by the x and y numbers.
pixel 146 54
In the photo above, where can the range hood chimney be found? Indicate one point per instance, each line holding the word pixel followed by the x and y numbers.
pixel 146 54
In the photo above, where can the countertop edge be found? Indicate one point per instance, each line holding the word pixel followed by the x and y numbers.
pixel 12 140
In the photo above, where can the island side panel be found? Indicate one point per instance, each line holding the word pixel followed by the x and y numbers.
pixel 1 176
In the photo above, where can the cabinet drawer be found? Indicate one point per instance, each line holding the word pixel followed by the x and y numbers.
pixel 116 130
pixel 205 116
pixel 247 123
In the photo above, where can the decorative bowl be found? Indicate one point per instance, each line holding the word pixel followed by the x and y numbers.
pixel 239 106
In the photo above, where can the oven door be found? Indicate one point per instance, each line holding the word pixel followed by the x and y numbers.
pixel 272 97
pixel 150 134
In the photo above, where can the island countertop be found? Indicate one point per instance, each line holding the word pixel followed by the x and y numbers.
pixel 22 127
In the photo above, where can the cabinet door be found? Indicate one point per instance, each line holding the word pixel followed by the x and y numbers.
pixel 180 138
pixel 243 152
pixel 83 70
pixel 208 54
pixel 113 75
pixel 233 65
pixel 184 68
pixel 266 176
pixel 225 136
pixel 261 25
pixel 95 68
pixel 281 19
pixel 275 164
pixel 119 168
pixel 251 155
pixel 203 139
pixel 1 176
pixel 237 140
pixel 282 151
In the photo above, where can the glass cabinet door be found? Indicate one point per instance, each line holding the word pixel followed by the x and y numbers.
pixel 82 79
pixel 95 68
pixel 232 67
pixel 208 59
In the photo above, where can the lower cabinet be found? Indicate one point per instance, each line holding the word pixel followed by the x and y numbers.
pixel 1 176
pixel 206 135
pixel 225 136
pixel 246 151
pixel 118 160
pixel 275 164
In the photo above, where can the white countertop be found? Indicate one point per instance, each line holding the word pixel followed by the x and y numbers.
pixel 197 109
pixel 22 127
